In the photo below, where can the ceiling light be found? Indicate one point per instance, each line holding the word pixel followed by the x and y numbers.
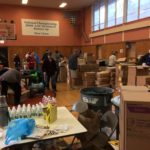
pixel 62 5
pixel 24 1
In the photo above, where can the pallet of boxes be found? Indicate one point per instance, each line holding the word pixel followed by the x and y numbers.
pixel 90 58
pixel 89 79
pixel 81 64
pixel 87 68
pixel 88 72
pixel 103 79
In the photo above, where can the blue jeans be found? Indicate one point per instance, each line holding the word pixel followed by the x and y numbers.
pixel 53 81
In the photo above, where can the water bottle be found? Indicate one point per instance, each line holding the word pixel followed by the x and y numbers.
pixel 4 114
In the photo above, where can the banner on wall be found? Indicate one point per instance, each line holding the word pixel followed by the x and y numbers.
pixel 40 27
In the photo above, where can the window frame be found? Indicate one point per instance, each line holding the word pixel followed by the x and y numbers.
pixel 124 17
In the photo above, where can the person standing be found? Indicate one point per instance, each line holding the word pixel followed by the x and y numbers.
pixel 45 55
pixel 17 61
pixel 112 59
pixel 37 61
pixel 31 61
pixel 10 77
pixel 73 65
pixel 49 68
pixel 146 59
pixel 57 57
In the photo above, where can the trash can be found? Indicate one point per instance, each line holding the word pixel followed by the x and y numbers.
pixel 97 98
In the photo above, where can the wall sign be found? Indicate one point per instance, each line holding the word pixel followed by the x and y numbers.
pixel 7 31
pixel 40 27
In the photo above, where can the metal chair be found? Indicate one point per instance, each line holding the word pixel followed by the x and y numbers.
pixel 97 138
pixel 110 121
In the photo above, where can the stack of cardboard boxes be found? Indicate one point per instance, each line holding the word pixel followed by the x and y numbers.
pixel 112 71
pixel 81 61
pixel 103 79
pixel 89 79
pixel 84 76
pixel 88 67
pixel 63 74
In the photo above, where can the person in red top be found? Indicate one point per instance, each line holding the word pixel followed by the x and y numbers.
pixel 31 61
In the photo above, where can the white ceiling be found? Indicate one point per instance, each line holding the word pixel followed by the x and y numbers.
pixel 72 4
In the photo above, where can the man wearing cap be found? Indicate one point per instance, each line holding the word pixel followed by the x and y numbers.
pixel 10 77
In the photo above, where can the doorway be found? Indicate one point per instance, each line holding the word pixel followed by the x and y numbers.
pixel 131 52
pixel 4 55
pixel 99 52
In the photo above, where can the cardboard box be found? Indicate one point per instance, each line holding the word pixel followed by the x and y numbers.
pixel 121 59
pixel 103 74
pixel 134 71
pixel 88 83
pixel 81 61
pixel 142 70
pixel 90 75
pixel 143 80
pixel 62 74
pixel 88 67
pixel 134 118
pixel 99 83
pixel 131 88
pixel 132 75
pixel 107 79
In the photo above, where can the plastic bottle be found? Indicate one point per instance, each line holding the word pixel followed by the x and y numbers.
pixel 4 114
pixel 18 112
pixel 33 110
pixel 13 113
pixel 38 111
pixel 24 112
pixel 29 112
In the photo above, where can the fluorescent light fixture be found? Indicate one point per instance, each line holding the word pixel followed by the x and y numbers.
pixel 24 1
pixel 62 5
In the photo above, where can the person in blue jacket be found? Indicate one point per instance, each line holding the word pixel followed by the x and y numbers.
pixel 37 61
pixel 146 58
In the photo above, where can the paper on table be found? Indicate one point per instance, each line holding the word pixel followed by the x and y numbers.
pixel 61 128
pixel 38 132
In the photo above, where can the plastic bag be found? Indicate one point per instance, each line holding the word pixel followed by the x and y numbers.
pixel 37 85
pixel 116 100
pixel 19 128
